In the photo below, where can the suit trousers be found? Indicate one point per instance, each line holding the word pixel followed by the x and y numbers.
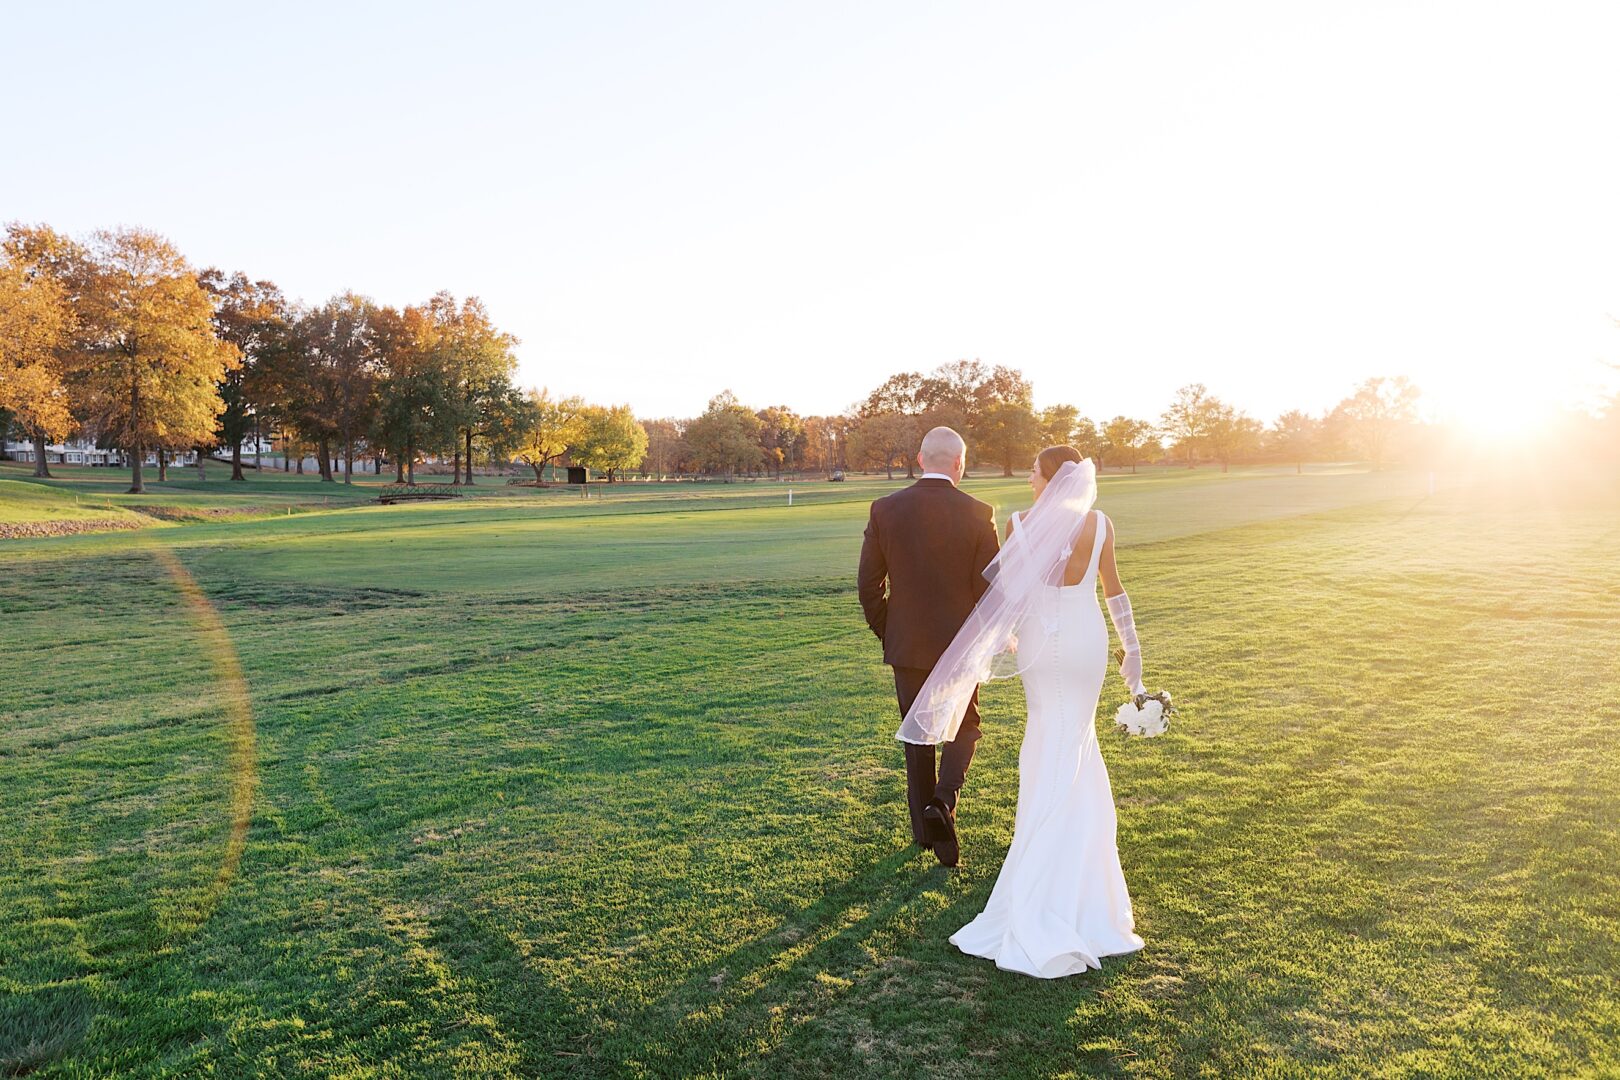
pixel 922 785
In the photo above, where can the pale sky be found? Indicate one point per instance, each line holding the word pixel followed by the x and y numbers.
pixel 795 200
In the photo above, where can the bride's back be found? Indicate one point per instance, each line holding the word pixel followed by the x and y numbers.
pixel 1079 565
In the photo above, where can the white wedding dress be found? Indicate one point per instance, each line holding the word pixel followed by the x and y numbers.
pixel 1060 903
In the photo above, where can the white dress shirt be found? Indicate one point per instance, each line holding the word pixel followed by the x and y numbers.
pixel 936 476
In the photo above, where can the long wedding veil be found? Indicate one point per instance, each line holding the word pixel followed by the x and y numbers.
pixel 1009 626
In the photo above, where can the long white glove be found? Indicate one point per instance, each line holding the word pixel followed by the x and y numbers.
pixel 1130 668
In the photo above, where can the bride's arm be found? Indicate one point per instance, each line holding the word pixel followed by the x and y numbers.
pixel 1119 610
pixel 1105 564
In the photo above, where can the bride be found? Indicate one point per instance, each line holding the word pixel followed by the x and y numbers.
pixel 1060 903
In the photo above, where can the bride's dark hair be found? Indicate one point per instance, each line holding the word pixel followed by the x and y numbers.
pixel 1050 460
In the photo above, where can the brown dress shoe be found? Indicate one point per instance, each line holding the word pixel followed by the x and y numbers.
pixel 941 826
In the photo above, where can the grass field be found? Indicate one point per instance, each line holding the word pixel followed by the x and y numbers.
pixel 535 785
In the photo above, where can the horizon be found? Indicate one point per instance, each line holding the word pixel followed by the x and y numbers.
pixel 663 205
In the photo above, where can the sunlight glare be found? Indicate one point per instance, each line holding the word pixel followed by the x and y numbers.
pixel 1499 412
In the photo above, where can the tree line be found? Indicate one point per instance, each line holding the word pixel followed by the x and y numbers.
pixel 993 407
pixel 117 337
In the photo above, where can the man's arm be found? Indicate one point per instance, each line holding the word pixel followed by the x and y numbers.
pixel 872 580
pixel 983 552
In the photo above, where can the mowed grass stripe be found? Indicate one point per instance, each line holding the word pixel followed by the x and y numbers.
pixel 549 825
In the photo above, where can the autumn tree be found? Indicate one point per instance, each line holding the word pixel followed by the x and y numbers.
pixel 412 389
pixel 666 447
pixel 41 382
pixel 1377 412
pixel 959 395
pixel 1229 433
pixel 725 439
pixel 1294 437
pixel 1128 441
pixel 1187 420
pixel 35 328
pixel 341 369
pixel 911 395
pixel 150 379
pixel 612 440
pixel 824 442
pixel 884 440
pixel 504 420
pixel 1063 425
pixel 478 364
pixel 1058 423
pixel 781 438
pixel 1009 433
pixel 254 316
pixel 964 390
pixel 962 393
pixel 902 393
pixel 555 426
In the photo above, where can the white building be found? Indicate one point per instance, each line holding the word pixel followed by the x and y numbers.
pixel 71 452
pixel 81 451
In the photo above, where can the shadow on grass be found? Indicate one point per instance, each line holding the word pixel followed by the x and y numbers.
pixel 863 979
pixel 40 1025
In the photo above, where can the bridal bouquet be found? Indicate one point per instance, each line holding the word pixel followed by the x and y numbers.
pixel 1146 715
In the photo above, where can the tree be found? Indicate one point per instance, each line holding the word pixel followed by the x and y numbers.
pixel 35 326
pixel 884 440
pixel 906 394
pixel 725 439
pixel 254 316
pixel 666 447
pixel 902 393
pixel 504 424
pixel 341 367
pixel 781 438
pixel 824 440
pixel 556 425
pixel 151 378
pixel 961 394
pixel 1294 438
pixel 612 441
pixel 412 388
pixel 478 364
pixel 1229 433
pixel 1128 441
pixel 1062 425
pixel 49 276
pixel 1010 434
pixel 1187 419
pixel 1058 424
pixel 1376 413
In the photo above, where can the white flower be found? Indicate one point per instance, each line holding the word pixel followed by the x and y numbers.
pixel 1147 721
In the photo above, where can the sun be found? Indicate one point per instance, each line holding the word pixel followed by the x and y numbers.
pixel 1499 414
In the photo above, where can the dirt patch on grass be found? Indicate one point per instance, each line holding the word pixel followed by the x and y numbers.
pixel 199 513
pixel 26 530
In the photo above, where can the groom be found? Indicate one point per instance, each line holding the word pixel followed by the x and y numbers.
pixel 929 544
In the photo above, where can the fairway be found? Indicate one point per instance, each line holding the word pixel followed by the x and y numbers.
pixel 537 785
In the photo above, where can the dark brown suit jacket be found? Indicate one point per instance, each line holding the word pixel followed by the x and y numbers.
pixel 929 544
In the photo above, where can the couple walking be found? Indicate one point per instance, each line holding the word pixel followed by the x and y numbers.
pixel 955 606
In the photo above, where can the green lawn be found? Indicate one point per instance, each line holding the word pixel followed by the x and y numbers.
pixel 552 786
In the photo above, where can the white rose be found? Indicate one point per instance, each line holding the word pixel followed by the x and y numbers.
pixel 1148 721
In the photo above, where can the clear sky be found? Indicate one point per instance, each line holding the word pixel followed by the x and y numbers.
pixel 794 200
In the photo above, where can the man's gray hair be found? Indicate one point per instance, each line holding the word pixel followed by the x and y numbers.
pixel 941 449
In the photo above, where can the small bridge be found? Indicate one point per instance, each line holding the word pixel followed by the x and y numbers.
pixel 395 493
